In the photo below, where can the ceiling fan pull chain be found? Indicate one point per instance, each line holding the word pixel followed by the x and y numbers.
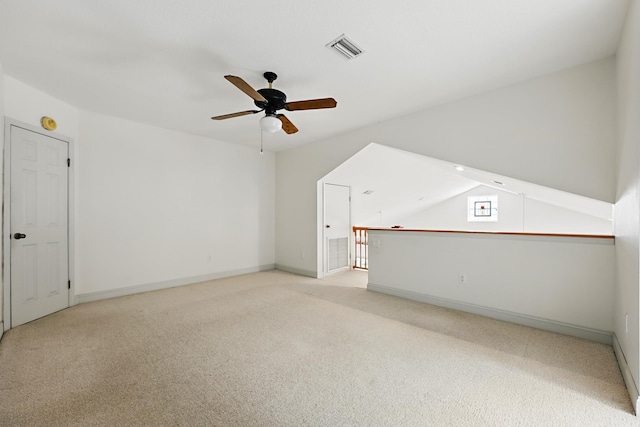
pixel 261 136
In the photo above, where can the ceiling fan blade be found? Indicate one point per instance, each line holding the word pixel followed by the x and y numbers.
pixel 311 104
pixel 232 115
pixel 246 88
pixel 287 126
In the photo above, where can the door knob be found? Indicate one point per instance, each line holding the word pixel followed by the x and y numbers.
pixel 19 236
pixel 328 226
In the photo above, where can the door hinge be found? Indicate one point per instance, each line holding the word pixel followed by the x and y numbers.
pixel 69 283
pixel 68 162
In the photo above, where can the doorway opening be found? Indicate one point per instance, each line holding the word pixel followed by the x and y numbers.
pixel 336 228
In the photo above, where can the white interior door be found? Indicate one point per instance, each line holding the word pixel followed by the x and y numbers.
pixel 38 225
pixel 337 227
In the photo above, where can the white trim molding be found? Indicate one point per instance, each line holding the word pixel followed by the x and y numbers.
pixel 632 388
pixel 507 316
pixel 113 293
pixel 297 271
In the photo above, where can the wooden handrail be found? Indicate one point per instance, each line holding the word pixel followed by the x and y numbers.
pixel 507 233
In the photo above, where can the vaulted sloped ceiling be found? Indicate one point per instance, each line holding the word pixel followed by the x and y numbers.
pixel 162 62
pixel 403 183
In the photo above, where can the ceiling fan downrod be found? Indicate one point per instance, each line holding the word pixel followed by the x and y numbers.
pixel 271 77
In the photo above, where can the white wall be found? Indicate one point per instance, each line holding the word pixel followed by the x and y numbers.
pixel 563 284
pixel 627 207
pixel 557 130
pixel 515 214
pixel 29 105
pixel 540 217
pixel 157 205
pixel 452 213
pixel 152 205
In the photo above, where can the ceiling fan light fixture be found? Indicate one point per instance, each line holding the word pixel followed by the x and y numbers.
pixel 270 124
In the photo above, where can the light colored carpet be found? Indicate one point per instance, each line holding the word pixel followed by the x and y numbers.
pixel 276 349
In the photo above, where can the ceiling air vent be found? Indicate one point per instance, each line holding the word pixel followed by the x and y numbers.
pixel 345 47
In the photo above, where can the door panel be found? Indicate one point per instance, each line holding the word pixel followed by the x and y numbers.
pixel 337 219
pixel 39 210
pixel 29 257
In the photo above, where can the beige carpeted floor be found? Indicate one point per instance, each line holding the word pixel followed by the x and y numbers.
pixel 276 349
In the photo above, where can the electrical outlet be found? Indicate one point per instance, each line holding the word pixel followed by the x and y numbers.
pixel 462 278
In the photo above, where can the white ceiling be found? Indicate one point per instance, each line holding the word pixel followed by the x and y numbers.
pixel 162 62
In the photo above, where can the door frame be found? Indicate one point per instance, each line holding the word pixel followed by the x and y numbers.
pixel 6 215
pixel 324 250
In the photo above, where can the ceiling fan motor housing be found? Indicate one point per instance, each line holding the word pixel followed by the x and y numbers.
pixel 276 100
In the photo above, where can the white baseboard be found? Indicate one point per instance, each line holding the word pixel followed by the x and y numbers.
pixel 632 388
pixel 112 293
pixel 297 271
pixel 520 319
